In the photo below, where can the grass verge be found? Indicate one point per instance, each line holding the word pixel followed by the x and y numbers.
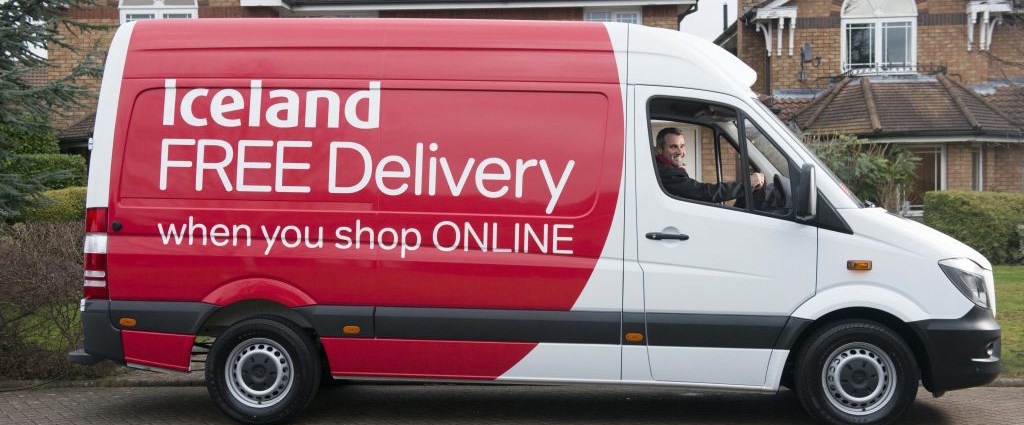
pixel 1010 314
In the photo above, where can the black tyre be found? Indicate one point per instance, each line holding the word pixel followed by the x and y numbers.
pixel 263 370
pixel 856 372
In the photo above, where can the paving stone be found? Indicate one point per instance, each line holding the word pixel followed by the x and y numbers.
pixel 486 404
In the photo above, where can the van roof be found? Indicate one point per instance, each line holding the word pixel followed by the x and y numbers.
pixel 415 49
pixel 428 49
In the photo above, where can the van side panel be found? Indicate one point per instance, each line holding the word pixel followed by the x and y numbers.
pixel 371 167
pixel 400 358
pixel 160 350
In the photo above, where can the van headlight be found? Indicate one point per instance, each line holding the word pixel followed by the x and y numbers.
pixel 972 280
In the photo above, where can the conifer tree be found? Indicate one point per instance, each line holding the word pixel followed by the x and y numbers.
pixel 28 26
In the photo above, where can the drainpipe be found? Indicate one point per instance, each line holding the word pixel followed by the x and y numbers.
pixel 687 12
pixel 725 16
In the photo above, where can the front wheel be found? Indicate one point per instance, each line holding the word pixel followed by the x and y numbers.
pixel 262 371
pixel 856 372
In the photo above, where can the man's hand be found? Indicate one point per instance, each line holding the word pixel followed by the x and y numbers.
pixel 757 180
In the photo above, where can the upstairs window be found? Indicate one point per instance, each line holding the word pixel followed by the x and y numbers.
pixel 879 36
pixel 137 10
pixel 627 16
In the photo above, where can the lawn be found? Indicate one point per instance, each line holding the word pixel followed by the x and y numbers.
pixel 1010 314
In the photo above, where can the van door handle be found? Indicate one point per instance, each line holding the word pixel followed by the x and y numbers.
pixel 658 236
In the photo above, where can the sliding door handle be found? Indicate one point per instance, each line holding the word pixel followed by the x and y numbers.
pixel 659 236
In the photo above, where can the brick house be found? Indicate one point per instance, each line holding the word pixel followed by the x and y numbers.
pixel 74 132
pixel 944 78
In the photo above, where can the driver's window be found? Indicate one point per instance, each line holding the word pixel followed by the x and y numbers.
pixel 697 150
pixel 693 159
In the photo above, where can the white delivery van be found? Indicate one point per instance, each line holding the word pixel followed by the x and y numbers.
pixel 524 202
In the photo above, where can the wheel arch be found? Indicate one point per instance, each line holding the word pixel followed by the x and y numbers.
pixel 904 330
pixel 233 313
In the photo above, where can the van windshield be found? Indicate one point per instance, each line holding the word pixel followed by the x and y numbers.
pixel 817 161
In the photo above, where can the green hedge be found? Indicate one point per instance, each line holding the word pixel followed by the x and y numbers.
pixel 63 205
pixel 30 141
pixel 64 170
pixel 986 221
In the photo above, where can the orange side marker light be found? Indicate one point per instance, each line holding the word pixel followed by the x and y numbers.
pixel 861 265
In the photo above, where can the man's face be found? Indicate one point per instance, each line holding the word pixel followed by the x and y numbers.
pixel 675 149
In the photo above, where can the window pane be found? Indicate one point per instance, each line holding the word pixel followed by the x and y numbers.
pixel 684 157
pixel 598 16
pixel 137 3
pixel 627 17
pixel 764 153
pixel 137 17
pixel 876 8
pixel 860 45
pixel 177 15
pixel 896 42
pixel 180 3
pixel 766 159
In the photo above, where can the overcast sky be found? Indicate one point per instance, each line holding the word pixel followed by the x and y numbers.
pixel 707 21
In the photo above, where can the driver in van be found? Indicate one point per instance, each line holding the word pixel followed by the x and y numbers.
pixel 671 148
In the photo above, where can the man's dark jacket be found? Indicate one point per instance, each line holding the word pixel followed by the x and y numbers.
pixel 677 182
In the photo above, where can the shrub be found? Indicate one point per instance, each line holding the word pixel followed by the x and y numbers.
pixel 59 170
pixel 59 205
pixel 42 283
pixel 986 221
pixel 30 141
pixel 874 172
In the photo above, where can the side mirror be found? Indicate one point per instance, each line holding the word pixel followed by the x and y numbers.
pixel 806 195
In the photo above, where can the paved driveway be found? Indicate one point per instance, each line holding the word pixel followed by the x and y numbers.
pixel 475 404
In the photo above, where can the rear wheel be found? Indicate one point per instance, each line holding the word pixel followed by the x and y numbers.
pixel 856 372
pixel 262 371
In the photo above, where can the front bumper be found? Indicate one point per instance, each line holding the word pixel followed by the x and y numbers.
pixel 961 352
pixel 102 340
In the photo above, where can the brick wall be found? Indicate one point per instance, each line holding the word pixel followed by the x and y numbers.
pixel 750 49
pixel 1002 166
pixel 1007 48
pixel 1007 168
pixel 661 17
pixel 62 60
pixel 958 166
pixel 548 14
pixel 105 12
pixel 941 40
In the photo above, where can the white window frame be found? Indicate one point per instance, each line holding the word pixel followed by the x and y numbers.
pixel 880 66
pixel 158 10
pixel 979 185
pixel 878 21
pixel 638 11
